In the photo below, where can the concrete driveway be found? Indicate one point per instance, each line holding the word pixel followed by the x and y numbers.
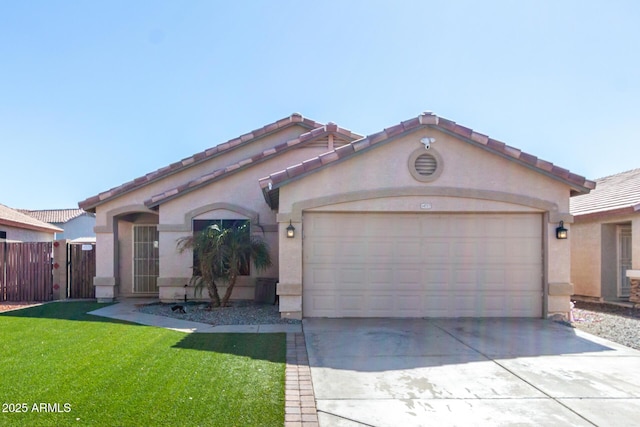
pixel 462 372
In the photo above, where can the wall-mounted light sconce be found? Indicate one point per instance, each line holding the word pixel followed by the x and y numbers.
pixel 561 232
pixel 291 231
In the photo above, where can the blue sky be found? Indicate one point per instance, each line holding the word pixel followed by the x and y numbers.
pixel 94 94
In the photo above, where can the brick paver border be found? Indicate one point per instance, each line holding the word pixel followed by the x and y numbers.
pixel 300 402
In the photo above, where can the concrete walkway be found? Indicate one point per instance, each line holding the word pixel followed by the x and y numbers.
pixel 127 310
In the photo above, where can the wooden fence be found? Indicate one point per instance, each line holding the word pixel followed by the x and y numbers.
pixel 81 264
pixel 26 271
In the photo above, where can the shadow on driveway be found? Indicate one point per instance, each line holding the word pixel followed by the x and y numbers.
pixel 382 344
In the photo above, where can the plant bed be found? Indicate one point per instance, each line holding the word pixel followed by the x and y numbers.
pixel 239 312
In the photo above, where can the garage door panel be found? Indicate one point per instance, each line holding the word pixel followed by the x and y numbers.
pixel 422 265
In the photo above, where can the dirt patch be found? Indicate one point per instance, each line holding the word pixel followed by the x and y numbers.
pixel 9 306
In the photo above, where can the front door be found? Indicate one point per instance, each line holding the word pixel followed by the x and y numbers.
pixel 624 260
pixel 146 258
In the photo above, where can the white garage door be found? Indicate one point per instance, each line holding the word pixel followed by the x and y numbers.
pixel 422 265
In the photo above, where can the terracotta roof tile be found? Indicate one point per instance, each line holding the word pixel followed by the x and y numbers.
pixel 463 131
pixel 296 118
pixel 273 151
pixel 329 157
pixel 394 130
pixel 295 170
pixel 311 164
pixel 428 119
pixel 496 145
pixel 544 165
pixel 528 158
pixel 362 143
pixel 511 151
pixel 480 138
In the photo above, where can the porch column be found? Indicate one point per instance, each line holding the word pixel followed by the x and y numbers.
pixel 289 288
pixel 559 286
pixel 105 279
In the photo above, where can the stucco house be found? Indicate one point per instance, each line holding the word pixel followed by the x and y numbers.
pixel 16 226
pixel 76 224
pixel 604 245
pixel 425 218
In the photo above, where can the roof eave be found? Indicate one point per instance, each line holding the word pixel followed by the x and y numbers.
pixel 576 189
pixel 17 224
pixel 90 205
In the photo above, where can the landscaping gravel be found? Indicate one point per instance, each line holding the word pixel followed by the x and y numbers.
pixel 239 313
pixel 615 323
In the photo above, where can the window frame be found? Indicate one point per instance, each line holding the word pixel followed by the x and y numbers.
pixel 199 225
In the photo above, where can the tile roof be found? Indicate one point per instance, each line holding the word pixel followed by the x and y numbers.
pixel 11 217
pixel 613 194
pixel 344 135
pixel 271 183
pixel 58 216
pixel 294 119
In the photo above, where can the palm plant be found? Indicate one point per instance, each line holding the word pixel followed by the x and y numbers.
pixel 222 255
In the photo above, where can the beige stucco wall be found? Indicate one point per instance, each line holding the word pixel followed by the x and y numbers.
pixel 113 269
pixel 15 234
pixel 594 247
pixel 237 197
pixel 472 180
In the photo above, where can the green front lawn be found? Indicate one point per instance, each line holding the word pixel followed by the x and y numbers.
pixel 62 367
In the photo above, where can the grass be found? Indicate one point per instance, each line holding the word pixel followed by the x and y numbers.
pixel 89 370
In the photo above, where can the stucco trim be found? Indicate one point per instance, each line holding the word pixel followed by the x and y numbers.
pixel 128 209
pixel 298 207
pixel 254 217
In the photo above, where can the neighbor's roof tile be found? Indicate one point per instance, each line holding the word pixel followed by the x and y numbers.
pixel 612 193
pixel 15 218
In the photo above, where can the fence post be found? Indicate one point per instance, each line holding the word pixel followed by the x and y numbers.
pixel 60 272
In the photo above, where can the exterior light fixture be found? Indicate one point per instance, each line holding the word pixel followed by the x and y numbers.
pixel 561 232
pixel 291 230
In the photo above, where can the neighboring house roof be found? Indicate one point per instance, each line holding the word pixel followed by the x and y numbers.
pixel 13 218
pixel 339 136
pixel 55 216
pixel 294 119
pixel 615 194
pixel 270 185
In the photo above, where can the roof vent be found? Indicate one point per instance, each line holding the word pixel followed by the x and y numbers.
pixel 426 164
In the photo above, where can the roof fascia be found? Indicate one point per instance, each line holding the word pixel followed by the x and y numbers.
pixel 23 225
pixel 577 188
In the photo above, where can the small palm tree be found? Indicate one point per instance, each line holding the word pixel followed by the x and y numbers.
pixel 222 256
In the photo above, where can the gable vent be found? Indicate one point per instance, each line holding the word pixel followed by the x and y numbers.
pixel 426 164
